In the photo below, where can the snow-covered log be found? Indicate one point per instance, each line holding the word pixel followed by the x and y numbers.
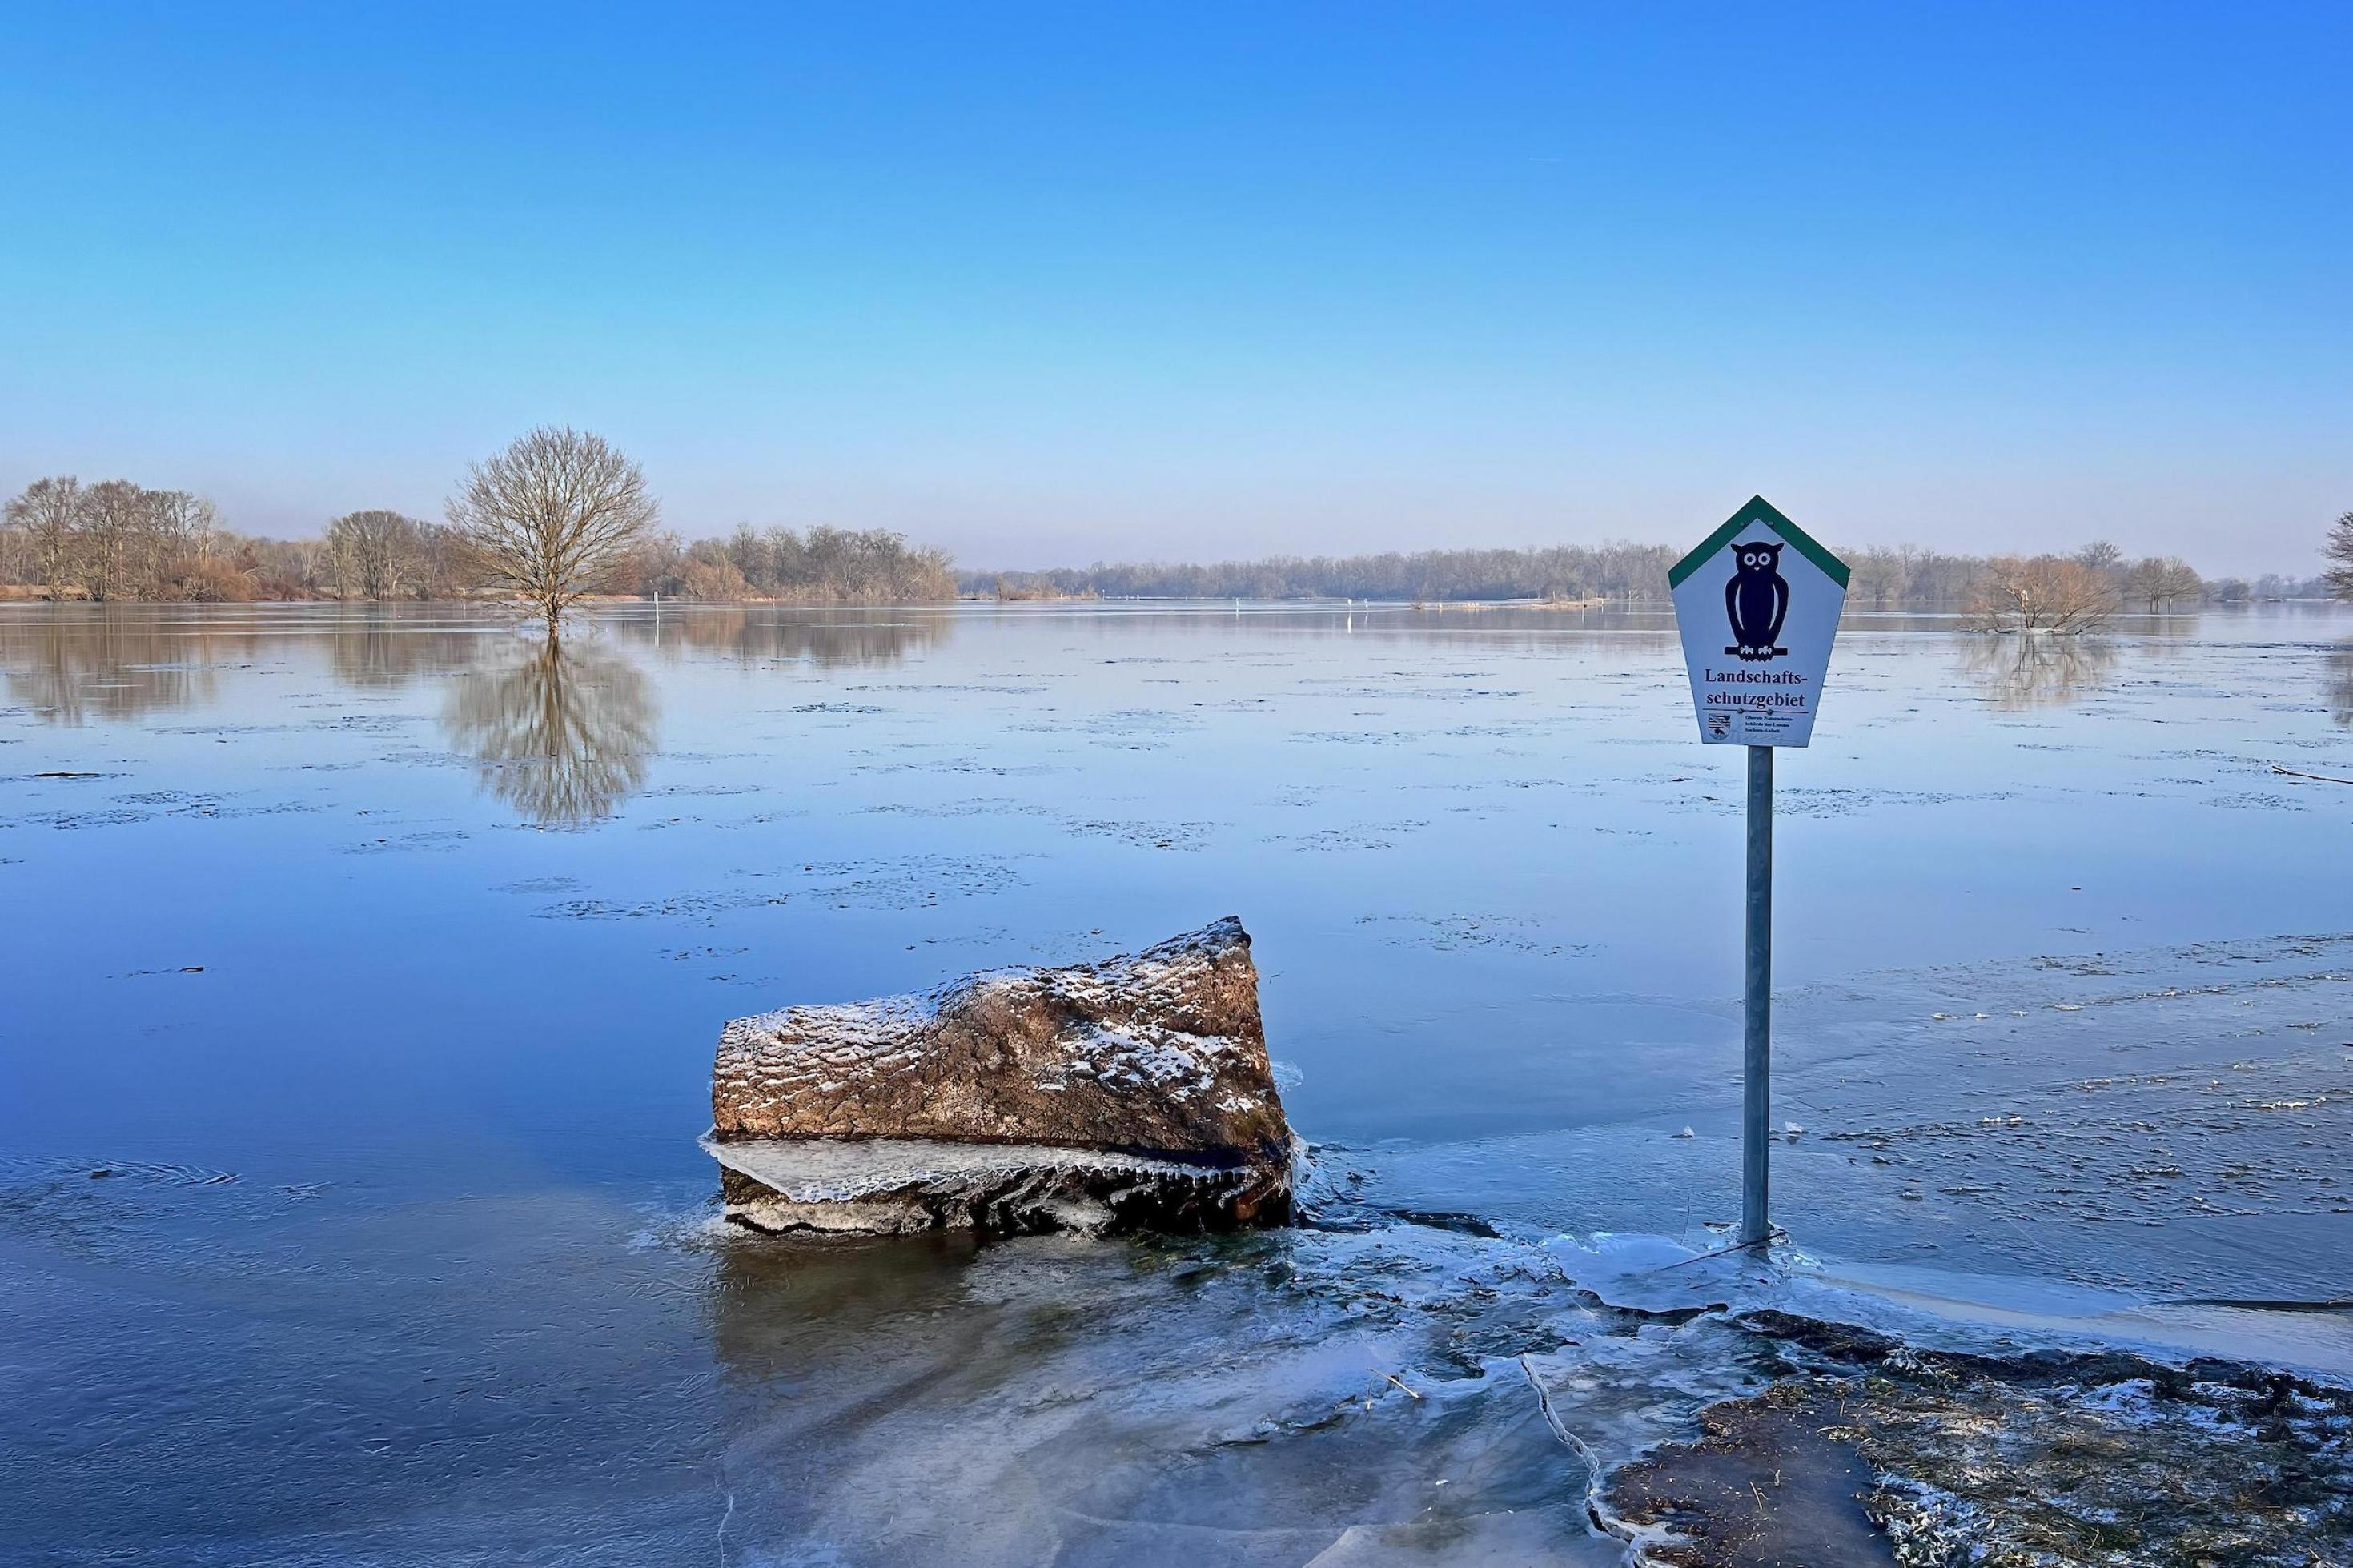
pixel 1128 1093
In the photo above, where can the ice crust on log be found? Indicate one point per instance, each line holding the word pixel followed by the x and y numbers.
pixel 895 1185
pixel 1128 1093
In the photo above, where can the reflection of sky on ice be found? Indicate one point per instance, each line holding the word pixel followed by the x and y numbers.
pixel 2061 1016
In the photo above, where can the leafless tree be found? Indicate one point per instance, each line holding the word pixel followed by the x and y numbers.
pixel 184 519
pixel 2040 594
pixel 376 554
pixel 552 515
pixel 710 574
pixel 110 525
pixel 308 560
pixel 176 535
pixel 2107 562
pixel 2160 580
pixel 2339 552
pixel 48 513
pixel 443 561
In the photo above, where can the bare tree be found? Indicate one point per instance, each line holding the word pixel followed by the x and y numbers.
pixel 304 565
pixel 175 533
pixel 376 554
pixel 2160 580
pixel 184 520
pixel 442 561
pixel 2040 594
pixel 552 515
pixel 2339 550
pixel 708 574
pixel 111 524
pixel 47 511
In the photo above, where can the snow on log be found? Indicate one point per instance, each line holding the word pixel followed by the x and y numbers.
pixel 1132 1093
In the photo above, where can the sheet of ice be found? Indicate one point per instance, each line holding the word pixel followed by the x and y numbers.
pixel 1975 1313
pixel 2056 947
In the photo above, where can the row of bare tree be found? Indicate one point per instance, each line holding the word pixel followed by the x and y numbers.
pixel 2076 593
pixel 558 515
pixel 1906 576
pixel 2069 594
pixel 823 565
pixel 115 539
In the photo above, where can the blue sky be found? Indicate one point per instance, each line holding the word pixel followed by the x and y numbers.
pixel 1055 284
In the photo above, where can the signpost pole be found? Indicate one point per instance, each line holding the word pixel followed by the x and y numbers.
pixel 1755 1121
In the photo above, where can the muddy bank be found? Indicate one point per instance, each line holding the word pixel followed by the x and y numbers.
pixel 1771 1482
pixel 1875 1453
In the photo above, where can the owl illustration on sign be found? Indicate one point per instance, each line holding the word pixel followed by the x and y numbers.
pixel 1757 599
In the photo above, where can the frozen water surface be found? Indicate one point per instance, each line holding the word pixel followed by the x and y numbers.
pixel 364 971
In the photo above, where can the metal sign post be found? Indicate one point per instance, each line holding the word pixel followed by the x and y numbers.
pixel 1756 1032
pixel 1758 604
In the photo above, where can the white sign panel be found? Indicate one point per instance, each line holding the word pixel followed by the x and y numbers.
pixel 1758 604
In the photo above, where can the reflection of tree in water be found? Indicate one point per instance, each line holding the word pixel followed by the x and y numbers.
pixel 2022 672
pixel 828 638
pixel 2340 684
pixel 74 662
pixel 2171 623
pixel 561 733
pixel 373 646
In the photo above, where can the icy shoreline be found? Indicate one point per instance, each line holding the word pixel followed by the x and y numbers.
pixel 2055 1427
pixel 1719 1407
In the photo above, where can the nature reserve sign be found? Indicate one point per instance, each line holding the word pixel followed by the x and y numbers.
pixel 1758 604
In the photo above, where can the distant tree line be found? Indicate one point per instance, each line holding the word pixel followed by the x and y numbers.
pixel 2077 593
pixel 61 539
pixel 115 539
pixel 1885 578
pixel 1566 572
pixel 822 565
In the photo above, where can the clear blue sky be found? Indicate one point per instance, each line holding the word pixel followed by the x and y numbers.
pixel 1053 284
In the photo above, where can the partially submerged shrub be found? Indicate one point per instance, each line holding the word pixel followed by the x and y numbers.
pixel 2042 594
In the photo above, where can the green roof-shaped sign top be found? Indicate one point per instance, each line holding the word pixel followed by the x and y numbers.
pixel 1758 509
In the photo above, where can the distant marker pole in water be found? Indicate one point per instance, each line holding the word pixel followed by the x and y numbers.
pixel 1758 604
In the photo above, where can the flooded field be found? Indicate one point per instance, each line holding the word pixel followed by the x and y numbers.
pixel 364 970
